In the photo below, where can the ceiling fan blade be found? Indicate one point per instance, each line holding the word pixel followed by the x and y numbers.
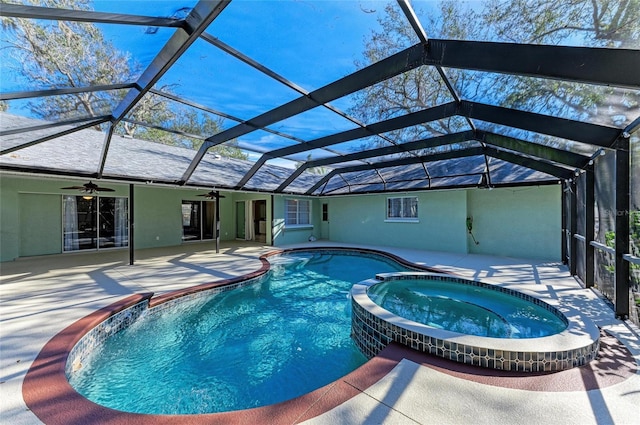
pixel 212 195
pixel 89 187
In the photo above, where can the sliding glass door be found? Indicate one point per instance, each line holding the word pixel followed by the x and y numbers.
pixel 113 222
pixel 198 220
pixel 92 222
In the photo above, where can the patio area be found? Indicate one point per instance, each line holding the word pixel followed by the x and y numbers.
pixel 41 296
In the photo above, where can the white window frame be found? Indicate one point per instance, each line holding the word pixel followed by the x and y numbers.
pixel 405 215
pixel 294 204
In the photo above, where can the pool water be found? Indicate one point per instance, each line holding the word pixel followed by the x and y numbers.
pixel 252 346
pixel 465 308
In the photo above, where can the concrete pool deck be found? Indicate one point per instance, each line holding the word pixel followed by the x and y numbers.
pixel 41 296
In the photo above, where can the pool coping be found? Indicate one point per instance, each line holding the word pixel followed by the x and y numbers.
pixel 51 398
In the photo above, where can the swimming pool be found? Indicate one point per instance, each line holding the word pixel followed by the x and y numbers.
pixel 278 337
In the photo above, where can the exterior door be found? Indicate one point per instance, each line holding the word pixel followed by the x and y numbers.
pixel 240 220
pixel 324 223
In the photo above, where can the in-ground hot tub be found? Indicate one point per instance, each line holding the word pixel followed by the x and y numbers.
pixel 450 317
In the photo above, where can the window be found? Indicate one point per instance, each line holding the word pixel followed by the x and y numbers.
pixel 297 212
pixel 94 222
pixel 402 209
pixel 198 220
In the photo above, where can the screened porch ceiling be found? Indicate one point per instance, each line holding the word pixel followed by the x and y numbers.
pixel 311 98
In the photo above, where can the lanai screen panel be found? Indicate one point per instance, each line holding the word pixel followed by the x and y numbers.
pixel 361 144
pixel 608 106
pixel 216 171
pixel 19 131
pixel 506 21
pixel 427 130
pixel 77 152
pixel 261 141
pixel 457 172
pixel 422 88
pixel 146 160
pixel 605 221
pixel 503 172
pixel 278 34
pixel 634 225
pixel 537 138
pixel 115 53
pixel 568 219
pixel 314 123
pixel 463 172
pixel 271 175
pixel 82 105
pixel 359 181
pixel 581 210
pixel 408 185
pixel 305 181
pixel 213 78
pixel 404 173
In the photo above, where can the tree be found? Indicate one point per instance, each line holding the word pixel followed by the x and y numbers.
pixel 186 122
pixel 63 54
pixel 598 23
pixel 595 23
pixel 586 22
pixel 321 171
pixel 415 90
pixel 57 54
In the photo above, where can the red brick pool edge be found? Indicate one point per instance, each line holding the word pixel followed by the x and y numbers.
pixel 48 394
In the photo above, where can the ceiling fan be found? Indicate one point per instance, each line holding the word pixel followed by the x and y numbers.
pixel 89 188
pixel 212 195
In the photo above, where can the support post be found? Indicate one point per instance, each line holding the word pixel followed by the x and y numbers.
pixel 273 236
pixel 573 229
pixel 217 222
pixel 131 215
pixel 622 286
pixel 589 208
pixel 563 217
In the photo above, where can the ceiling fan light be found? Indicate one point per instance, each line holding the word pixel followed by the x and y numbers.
pixel 87 197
